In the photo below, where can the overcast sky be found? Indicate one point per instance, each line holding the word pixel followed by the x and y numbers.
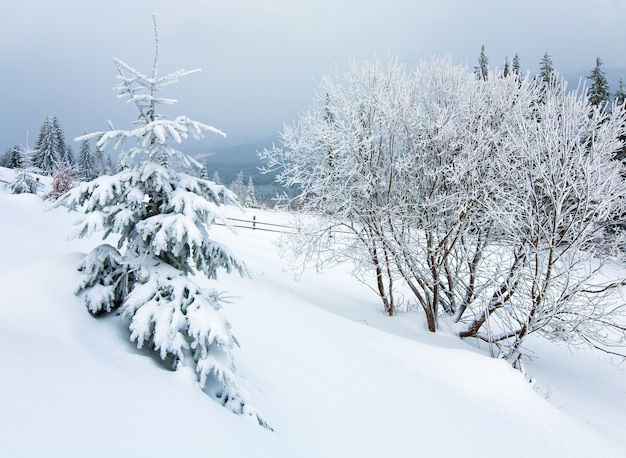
pixel 260 59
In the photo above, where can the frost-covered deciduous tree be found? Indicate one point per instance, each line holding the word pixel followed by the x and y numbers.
pixel 557 190
pixel 341 155
pixel 62 181
pixel 486 204
pixel 161 219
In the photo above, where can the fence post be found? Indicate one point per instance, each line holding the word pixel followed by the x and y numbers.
pixel 253 222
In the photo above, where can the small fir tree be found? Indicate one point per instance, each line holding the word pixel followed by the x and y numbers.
pixel 13 158
pixel 251 201
pixel 482 70
pixel 24 183
pixel 162 218
pixel 598 93
pixel 516 65
pixel 46 154
pixel 546 70
pixel 68 157
pixel 51 149
pixel 86 162
pixel 100 167
pixel 216 178
pixel 238 187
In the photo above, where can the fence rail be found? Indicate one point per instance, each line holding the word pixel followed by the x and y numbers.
pixel 257 225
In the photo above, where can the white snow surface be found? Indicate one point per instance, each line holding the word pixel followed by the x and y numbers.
pixel 332 375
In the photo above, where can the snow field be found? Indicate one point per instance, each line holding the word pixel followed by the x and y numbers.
pixel 331 373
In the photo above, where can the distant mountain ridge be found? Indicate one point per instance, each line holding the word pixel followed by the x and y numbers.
pixel 228 161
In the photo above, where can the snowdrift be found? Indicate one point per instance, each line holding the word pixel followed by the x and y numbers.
pixel 333 376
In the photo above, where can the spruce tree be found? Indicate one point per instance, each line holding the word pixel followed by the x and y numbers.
pixel 68 157
pixel 507 70
pixel 547 74
pixel 86 162
pixel 482 70
pixel 251 201
pixel 101 164
pixel 238 187
pixel 47 154
pixel 13 158
pixel 516 66
pixel 65 150
pixel 51 149
pixel 162 218
pixel 24 183
pixel 598 93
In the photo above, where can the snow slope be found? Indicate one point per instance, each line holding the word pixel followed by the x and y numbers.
pixel 334 377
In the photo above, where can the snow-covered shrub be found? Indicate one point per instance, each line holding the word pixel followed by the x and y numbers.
pixel 487 198
pixel 62 181
pixel 161 218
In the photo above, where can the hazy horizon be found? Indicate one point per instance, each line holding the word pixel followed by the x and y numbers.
pixel 260 61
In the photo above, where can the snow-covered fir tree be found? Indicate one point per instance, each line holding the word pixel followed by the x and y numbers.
pixel 516 65
pixel 50 149
pixel 162 219
pixel 24 183
pixel 251 201
pixel 13 158
pixel 68 156
pixel 547 74
pixel 99 161
pixel 238 186
pixel 86 162
pixel 483 65
pixel 216 178
pixel 598 93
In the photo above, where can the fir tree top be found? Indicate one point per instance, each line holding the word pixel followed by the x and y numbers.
pixel 598 93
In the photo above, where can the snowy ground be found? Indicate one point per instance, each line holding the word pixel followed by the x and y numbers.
pixel 334 377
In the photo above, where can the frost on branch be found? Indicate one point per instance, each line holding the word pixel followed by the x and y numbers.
pixel 160 219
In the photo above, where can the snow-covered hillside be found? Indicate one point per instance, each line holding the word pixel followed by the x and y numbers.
pixel 331 373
